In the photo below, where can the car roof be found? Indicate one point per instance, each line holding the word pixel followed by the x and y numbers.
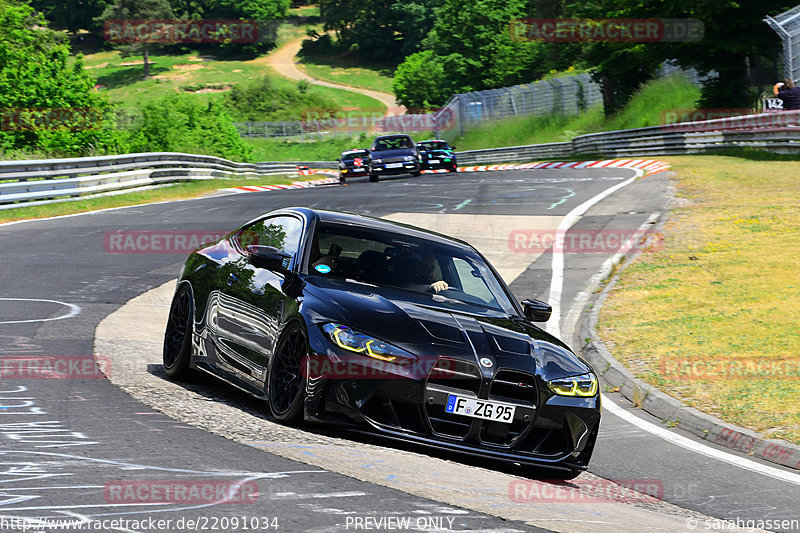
pixel 354 219
pixel 395 136
pixel 433 141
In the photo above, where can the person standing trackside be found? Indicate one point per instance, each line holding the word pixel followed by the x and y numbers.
pixel 788 94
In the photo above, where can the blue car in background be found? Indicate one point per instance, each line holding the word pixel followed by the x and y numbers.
pixel 394 154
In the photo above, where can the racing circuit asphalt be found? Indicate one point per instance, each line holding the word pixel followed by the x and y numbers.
pixel 62 441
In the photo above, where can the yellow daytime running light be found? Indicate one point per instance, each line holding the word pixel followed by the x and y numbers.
pixel 352 341
pixel 343 344
pixel 380 356
pixel 575 386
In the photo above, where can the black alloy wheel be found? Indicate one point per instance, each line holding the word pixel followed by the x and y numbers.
pixel 178 336
pixel 286 382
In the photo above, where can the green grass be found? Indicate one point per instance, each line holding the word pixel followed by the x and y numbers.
pixel 346 100
pixel 644 109
pixel 124 81
pixel 342 71
pixel 190 189
pixel 720 295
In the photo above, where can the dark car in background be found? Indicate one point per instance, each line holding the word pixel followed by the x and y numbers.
pixel 394 154
pixel 353 163
pixel 438 154
pixel 385 328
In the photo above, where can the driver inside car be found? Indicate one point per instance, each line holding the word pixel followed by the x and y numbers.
pixel 423 274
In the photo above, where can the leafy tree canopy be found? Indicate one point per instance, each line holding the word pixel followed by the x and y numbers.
pixel 48 102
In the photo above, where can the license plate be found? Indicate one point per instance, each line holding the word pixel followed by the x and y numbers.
pixel 394 165
pixel 358 169
pixel 433 160
pixel 496 411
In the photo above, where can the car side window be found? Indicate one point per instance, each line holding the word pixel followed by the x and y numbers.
pixel 281 232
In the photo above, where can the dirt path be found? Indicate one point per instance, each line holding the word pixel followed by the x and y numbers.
pixel 282 60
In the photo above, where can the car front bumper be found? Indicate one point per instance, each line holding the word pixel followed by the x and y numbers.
pixel 547 430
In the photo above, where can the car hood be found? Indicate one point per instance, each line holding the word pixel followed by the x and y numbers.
pixel 427 328
pixel 439 153
pixel 393 153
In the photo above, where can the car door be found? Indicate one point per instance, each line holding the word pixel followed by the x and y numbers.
pixel 251 301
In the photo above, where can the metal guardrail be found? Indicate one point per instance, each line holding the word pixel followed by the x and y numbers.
pixel 34 182
pixel 772 132
pixel 42 181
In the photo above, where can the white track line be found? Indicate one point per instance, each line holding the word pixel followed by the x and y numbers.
pixel 556 286
pixel 557 279
pixel 697 447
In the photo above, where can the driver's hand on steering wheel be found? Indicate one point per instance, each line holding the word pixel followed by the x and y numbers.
pixel 439 286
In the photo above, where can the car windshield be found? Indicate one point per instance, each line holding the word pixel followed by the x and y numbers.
pixel 398 261
pixel 353 155
pixel 392 143
pixel 434 145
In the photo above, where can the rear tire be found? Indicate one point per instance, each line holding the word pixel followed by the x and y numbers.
pixel 373 178
pixel 178 336
pixel 286 382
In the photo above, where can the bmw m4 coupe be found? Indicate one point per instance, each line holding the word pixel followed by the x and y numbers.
pixel 386 328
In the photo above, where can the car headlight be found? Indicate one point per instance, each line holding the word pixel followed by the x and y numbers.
pixel 408 158
pixel 354 341
pixel 379 161
pixel 584 385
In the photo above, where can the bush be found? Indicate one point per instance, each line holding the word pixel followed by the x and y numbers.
pixel 180 123
pixel 260 100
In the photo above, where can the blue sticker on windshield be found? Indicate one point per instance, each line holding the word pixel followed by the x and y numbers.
pixel 323 269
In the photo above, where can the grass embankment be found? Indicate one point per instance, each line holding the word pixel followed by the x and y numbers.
pixel 178 191
pixel 206 77
pixel 342 71
pixel 712 318
pixel 645 109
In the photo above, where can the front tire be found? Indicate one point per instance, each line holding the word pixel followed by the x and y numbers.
pixel 178 336
pixel 373 178
pixel 286 382
pixel 553 475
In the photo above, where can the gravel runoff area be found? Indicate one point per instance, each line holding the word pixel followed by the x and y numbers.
pixel 132 336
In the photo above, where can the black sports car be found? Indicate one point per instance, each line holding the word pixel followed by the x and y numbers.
pixel 353 163
pixel 393 154
pixel 437 155
pixel 382 327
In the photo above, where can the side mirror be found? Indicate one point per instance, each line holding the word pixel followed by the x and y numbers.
pixel 536 310
pixel 268 257
pixel 339 160
pixel 452 147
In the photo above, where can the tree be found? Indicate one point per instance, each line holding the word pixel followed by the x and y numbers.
pixel 734 33
pixel 128 11
pixel 419 81
pixel 71 15
pixel 471 48
pixel 48 101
